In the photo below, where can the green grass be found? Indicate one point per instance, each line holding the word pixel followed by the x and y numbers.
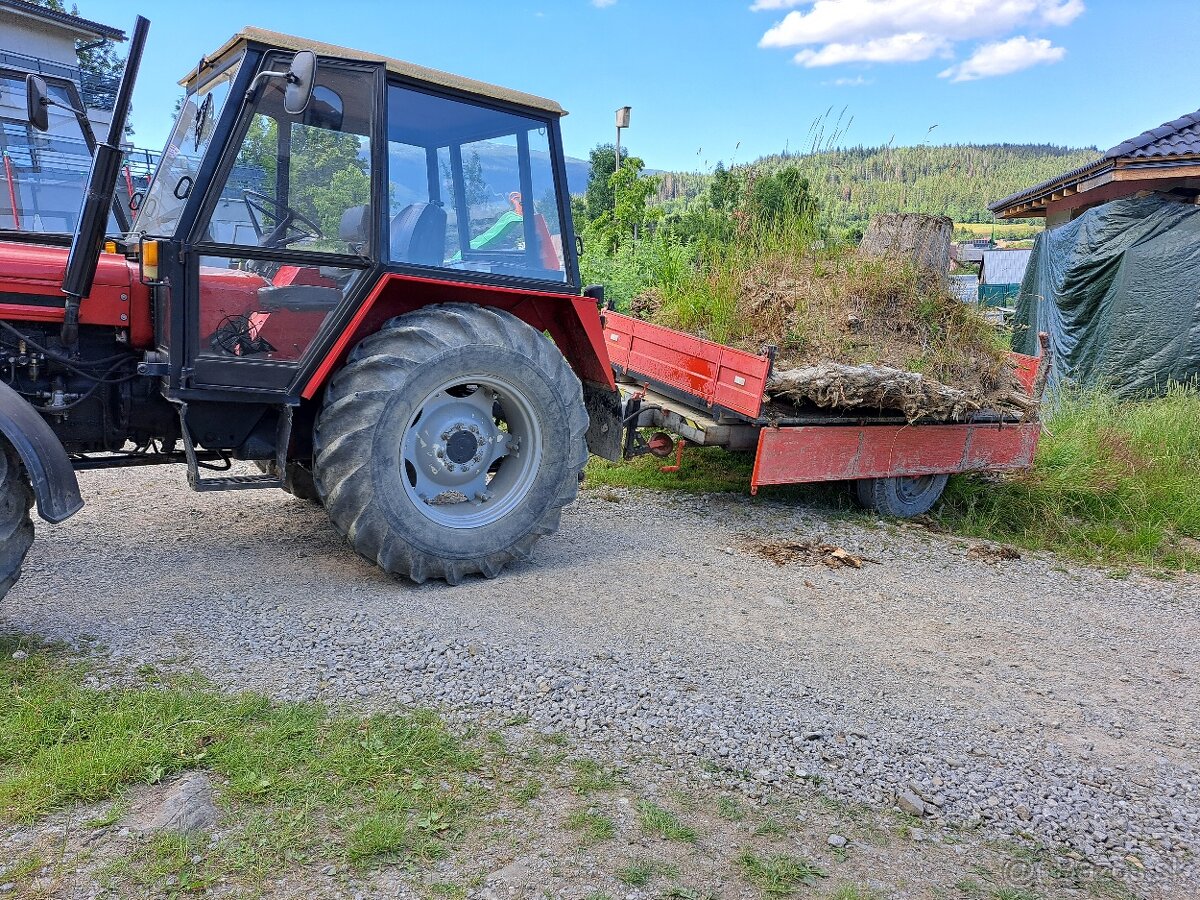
pixel 664 823
pixel 640 871
pixel 730 809
pixel 1113 483
pixel 592 826
pixel 297 782
pixel 778 875
pixel 771 828
pixel 590 777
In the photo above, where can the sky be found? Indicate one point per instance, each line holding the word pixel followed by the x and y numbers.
pixel 732 81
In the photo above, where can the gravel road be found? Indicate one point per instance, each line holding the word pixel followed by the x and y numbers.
pixel 1021 696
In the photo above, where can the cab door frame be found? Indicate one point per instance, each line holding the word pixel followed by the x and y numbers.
pixel 203 376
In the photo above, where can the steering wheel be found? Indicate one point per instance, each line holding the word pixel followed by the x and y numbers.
pixel 287 224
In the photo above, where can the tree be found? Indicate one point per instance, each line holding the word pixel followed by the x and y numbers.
pixel 724 189
pixel 601 168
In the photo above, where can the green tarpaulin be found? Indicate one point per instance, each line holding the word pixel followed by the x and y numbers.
pixel 1118 291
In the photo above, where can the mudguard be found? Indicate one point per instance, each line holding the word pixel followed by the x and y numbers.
pixel 49 467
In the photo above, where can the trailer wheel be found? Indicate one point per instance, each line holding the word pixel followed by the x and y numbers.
pixel 450 442
pixel 901 496
pixel 16 525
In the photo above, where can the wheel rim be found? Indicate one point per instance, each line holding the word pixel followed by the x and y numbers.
pixel 911 488
pixel 471 451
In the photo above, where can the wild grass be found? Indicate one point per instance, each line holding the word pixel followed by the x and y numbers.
pixel 662 822
pixel 297 782
pixel 1114 483
pixel 591 825
pixel 777 875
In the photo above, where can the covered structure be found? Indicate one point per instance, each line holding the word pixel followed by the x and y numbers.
pixel 1164 159
pixel 1000 275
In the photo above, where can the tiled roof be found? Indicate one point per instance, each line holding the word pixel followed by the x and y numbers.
pixel 1178 138
pixel 1175 139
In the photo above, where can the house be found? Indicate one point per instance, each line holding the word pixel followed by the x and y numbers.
pixel 1165 159
pixel 37 39
pixel 1000 276
pixel 43 175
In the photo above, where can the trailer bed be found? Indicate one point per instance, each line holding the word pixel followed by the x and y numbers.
pixel 712 395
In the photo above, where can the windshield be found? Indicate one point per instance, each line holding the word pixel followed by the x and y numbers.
pixel 42 174
pixel 173 181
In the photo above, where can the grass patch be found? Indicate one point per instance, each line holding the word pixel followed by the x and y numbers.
pixel 640 871
pixel 298 782
pixel 1113 484
pixel 771 828
pixel 590 777
pixel 592 826
pixel 778 875
pixel 730 809
pixel 708 470
pixel 664 823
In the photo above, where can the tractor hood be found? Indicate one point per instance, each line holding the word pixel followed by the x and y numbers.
pixel 38 268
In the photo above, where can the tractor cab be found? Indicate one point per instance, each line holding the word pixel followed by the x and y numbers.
pixel 283 215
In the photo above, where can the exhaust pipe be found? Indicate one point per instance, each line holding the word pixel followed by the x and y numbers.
pixel 88 241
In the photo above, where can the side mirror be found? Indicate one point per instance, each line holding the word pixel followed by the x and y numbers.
pixel 37 102
pixel 301 77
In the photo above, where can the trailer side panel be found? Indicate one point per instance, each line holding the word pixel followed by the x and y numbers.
pixel 841 453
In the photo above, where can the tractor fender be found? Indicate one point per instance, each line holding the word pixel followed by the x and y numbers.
pixel 49 467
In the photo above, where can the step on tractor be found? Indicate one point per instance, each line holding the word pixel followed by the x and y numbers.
pixel 357 273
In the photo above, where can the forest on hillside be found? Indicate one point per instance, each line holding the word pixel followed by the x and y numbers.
pixel 854 183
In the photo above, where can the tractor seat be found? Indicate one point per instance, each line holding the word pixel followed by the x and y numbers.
pixel 298 298
pixel 419 235
pixel 355 227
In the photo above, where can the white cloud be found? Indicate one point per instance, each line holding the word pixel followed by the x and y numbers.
pixel 1004 58
pixel 601 4
pixel 856 81
pixel 833 32
pixel 911 47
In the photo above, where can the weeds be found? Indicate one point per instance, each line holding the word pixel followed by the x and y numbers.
pixel 1113 483
pixel 593 826
pixel 640 871
pixel 590 777
pixel 664 823
pixel 778 875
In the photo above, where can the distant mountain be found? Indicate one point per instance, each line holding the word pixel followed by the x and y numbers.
pixel 855 183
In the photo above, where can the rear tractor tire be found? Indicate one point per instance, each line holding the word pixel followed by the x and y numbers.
pixel 16 525
pixel 901 497
pixel 450 442
pixel 297 480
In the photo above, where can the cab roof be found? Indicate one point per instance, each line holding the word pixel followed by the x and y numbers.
pixel 413 71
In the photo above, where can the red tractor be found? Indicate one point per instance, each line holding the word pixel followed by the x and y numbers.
pixel 356 272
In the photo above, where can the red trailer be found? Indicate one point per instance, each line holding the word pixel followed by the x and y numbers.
pixel 712 395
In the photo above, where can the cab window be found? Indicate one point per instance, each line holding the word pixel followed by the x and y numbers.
pixel 471 188
pixel 299 189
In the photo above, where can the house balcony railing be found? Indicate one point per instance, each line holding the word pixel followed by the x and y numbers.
pixel 97 91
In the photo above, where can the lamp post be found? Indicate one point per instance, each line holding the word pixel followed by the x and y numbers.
pixel 622 122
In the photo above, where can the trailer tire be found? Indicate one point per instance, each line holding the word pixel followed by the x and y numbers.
pixel 16 525
pixel 902 496
pixel 450 442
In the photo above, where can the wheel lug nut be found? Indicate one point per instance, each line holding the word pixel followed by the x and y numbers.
pixel 481 496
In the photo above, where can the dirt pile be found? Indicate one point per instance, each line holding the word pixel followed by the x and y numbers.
pixel 873 329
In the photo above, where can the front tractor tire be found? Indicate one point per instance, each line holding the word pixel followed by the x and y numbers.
pixel 450 442
pixel 16 525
